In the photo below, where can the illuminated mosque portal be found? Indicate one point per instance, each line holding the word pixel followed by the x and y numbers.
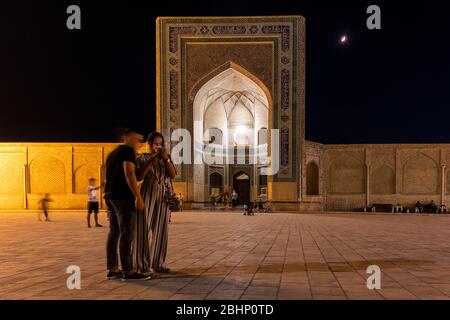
pixel 234 113
pixel 232 82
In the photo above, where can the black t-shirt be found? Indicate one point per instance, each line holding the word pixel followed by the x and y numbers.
pixel 116 187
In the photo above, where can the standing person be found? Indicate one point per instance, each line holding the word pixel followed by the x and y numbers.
pixel 44 206
pixel 212 200
pixel 251 206
pixel 93 202
pixel 180 197
pixel 121 192
pixel 259 205
pixel 152 229
pixel 226 199
pixel 234 197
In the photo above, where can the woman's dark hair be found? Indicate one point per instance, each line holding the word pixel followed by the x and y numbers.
pixel 152 136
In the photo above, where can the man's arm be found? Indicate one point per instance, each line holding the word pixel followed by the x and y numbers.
pixel 130 175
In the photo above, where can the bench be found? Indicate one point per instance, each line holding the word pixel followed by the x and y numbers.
pixel 429 208
pixel 382 207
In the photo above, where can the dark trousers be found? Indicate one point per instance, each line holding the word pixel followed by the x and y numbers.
pixel 122 217
pixel 45 209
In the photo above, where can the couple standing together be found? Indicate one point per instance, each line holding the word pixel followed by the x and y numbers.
pixel 138 216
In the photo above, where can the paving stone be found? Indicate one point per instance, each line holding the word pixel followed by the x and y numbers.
pixel 225 255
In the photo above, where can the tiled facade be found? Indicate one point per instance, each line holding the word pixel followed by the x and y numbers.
pixel 267 51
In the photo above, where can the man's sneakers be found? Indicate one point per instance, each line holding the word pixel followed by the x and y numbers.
pixel 135 277
pixel 113 275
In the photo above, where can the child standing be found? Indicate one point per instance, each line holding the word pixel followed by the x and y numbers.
pixel 93 202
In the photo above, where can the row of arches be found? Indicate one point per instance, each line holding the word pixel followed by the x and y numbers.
pixel 420 175
pixel 47 174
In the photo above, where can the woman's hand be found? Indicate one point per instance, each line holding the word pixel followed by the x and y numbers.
pixel 153 156
pixel 163 154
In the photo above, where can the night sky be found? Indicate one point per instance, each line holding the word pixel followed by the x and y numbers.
pixel 383 86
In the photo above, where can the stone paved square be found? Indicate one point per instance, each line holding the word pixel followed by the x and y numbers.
pixel 225 255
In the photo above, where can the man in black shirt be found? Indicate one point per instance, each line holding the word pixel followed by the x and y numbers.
pixel 121 192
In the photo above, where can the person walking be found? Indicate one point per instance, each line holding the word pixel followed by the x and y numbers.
pixel 44 206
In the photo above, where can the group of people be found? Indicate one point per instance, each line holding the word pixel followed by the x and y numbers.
pixel 225 198
pixel 419 207
pixel 431 207
pixel 232 200
pixel 138 216
pixel 258 206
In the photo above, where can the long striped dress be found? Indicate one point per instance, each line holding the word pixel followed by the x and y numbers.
pixel 151 228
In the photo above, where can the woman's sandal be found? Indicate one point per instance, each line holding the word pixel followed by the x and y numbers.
pixel 162 270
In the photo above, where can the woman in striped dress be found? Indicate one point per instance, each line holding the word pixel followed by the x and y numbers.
pixel 151 231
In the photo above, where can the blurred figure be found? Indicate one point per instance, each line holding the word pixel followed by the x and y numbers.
pixel 259 205
pixel 93 202
pixel 433 207
pixel 212 200
pixel 124 201
pixel 250 209
pixel 234 197
pixel 180 197
pixel 44 206
pixel 398 208
pixel 418 207
pixel 226 199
